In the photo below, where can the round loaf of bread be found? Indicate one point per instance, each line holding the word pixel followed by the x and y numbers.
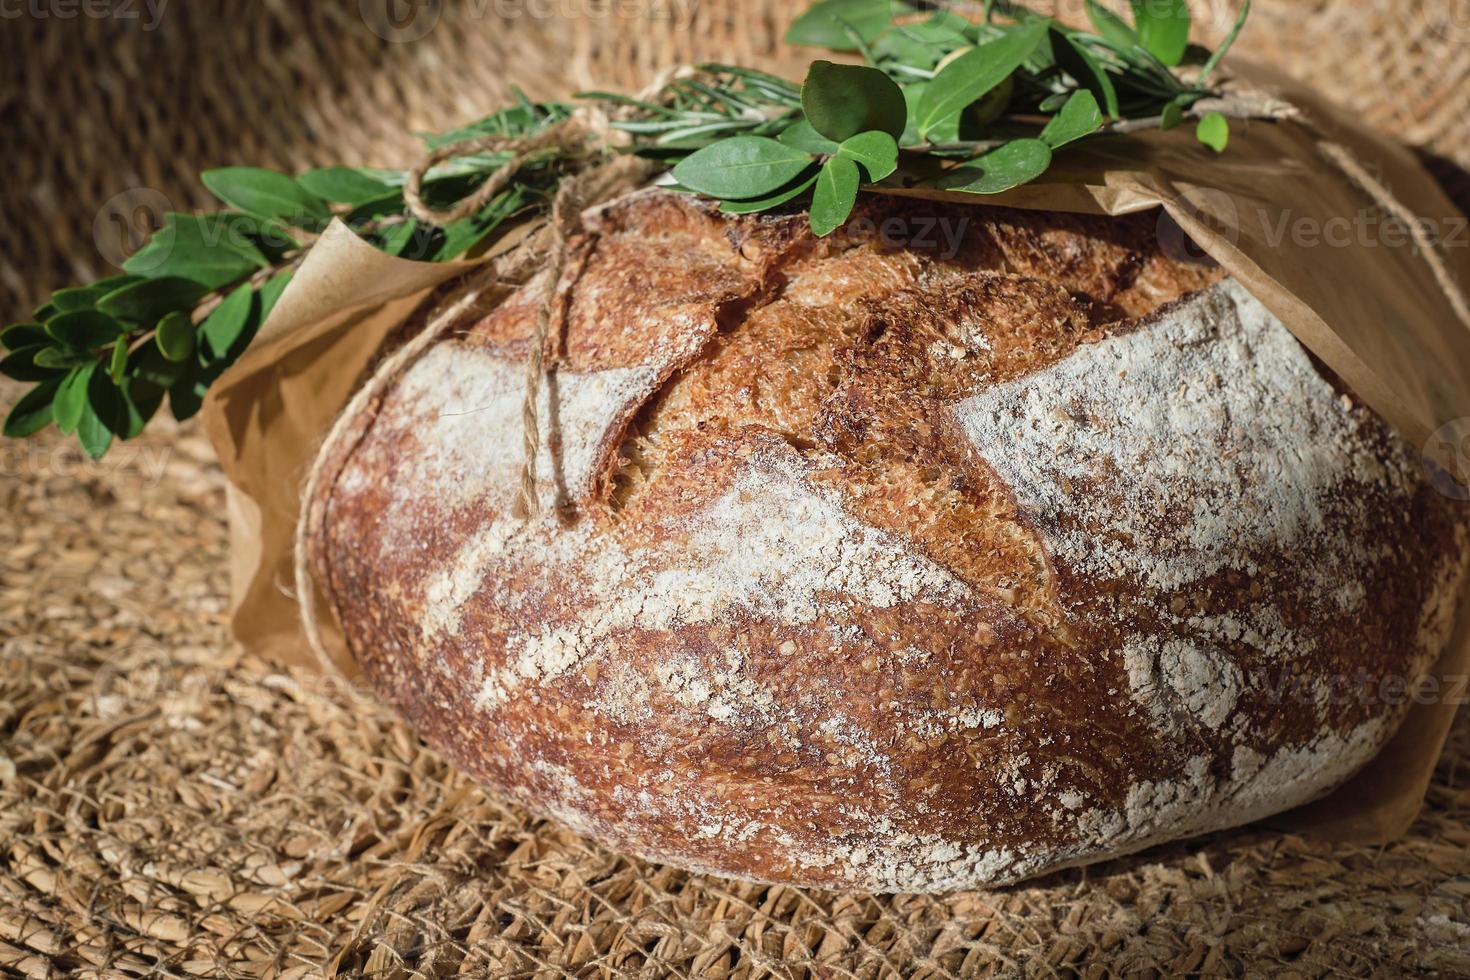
pixel 961 545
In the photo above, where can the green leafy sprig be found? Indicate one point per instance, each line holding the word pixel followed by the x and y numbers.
pixel 972 107
pixel 104 357
pixel 998 98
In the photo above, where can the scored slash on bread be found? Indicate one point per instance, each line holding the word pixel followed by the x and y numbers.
pixel 888 566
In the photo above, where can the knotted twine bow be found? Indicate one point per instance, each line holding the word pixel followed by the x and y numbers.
pixel 572 138
pixel 587 140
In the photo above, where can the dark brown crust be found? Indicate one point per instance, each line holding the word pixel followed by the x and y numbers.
pixel 937 740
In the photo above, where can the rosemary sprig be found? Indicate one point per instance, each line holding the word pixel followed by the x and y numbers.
pixel 994 99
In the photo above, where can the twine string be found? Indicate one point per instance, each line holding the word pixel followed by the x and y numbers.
pixel 1354 169
pixel 584 135
pixel 545 248
pixel 1262 105
pixel 387 372
pixel 576 193
pixel 505 272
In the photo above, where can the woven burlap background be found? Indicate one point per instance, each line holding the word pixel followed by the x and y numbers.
pixel 170 807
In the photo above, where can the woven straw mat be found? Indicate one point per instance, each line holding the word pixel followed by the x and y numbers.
pixel 170 807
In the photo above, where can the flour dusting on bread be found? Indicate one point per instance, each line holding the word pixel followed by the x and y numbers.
pixel 1144 414
pixel 770 544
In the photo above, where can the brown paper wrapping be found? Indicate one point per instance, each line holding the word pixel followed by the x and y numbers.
pixel 1369 307
pixel 268 412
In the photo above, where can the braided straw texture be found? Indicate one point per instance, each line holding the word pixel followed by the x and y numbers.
pixel 170 807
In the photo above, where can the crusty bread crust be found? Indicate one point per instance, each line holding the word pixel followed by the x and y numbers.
pixel 870 563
